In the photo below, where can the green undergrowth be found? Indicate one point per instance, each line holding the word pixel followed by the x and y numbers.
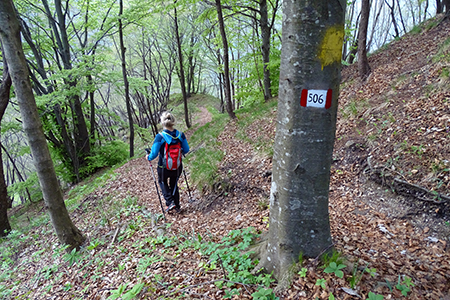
pixel 206 152
pixel 224 264
pixel 257 115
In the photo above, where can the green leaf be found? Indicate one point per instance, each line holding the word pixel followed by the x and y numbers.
pixel 321 282
pixel 373 296
pixel 303 272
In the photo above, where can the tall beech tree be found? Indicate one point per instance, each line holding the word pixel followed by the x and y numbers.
pixel 10 37
pixel 181 74
pixel 5 88
pixel 226 62
pixel 313 33
pixel 363 62
pixel 125 80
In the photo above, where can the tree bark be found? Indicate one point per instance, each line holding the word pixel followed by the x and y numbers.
pixel 363 63
pixel 394 22
pixel 181 70
pixel 299 218
pixel 5 89
pixel 439 7
pixel 125 81
pixel 265 47
pixel 10 37
pixel 226 64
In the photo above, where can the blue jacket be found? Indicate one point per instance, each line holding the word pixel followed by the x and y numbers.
pixel 168 137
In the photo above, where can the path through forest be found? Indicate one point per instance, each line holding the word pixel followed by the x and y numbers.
pixel 365 232
pixel 387 121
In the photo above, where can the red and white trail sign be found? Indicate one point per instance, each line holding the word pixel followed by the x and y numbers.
pixel 316 98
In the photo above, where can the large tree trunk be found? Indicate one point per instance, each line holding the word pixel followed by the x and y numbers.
pixel 307 108
pixel 181 70
pixel 125 81
pixel 363 63
pixel 10 37
pixel 226 64
pixel 5 88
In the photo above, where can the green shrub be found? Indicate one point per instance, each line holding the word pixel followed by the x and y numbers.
pixel 107 155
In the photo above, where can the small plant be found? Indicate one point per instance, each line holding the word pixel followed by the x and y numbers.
pixel 131 294
pixel 67 287
pixel 303 272
pixel 334 256
pixel 322 283
pixel 263 205
pixel 115 294
pixel 356 276
pixel 404 286
pixel 230 293
pixel 336 269
pixel 373 296
pixel 73 256
pixel 264 294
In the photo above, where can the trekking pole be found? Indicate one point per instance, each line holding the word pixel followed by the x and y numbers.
pixel 156 185
pixel 187 185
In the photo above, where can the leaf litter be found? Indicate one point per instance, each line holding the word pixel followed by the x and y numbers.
pixel 387 121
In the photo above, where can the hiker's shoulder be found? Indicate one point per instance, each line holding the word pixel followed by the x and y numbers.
pixel 181 134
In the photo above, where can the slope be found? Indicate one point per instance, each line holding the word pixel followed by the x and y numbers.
pixel 385 239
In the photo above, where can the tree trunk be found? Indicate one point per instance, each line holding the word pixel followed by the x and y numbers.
pixel 265 47
pixel 307 109
pixel 363 63
pixel 5 89
pixel 10 37
pixel 125 81
pixel 439 7
pixel 82 142
pixel 181 73
pixel 80 132
pixel 226 67
pixel 394 22
pixel 446 6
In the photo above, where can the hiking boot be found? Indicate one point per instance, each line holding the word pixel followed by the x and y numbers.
pixel 170 207
pixel 177 210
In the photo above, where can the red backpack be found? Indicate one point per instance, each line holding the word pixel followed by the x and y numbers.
pixel 172 156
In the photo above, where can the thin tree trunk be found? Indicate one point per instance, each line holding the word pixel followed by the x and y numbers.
pixel 369 44
pixel 265 47
pixel 181 71
pixel 401 16
pixel 394 22
pixel 226 71
pixel 10 37
pixel 363 63
pixel 16 170
pixel 125 81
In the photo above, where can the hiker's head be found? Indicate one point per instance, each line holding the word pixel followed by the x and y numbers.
pixel 167 120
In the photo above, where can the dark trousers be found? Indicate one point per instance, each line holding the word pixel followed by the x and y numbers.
pixel 168 181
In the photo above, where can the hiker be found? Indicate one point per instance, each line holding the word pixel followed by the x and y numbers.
pixel 170 144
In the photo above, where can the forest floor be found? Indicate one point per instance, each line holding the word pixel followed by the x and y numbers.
pixel 389 198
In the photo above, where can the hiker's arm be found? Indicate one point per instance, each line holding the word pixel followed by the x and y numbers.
pixel 184 144
pixel 155 148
